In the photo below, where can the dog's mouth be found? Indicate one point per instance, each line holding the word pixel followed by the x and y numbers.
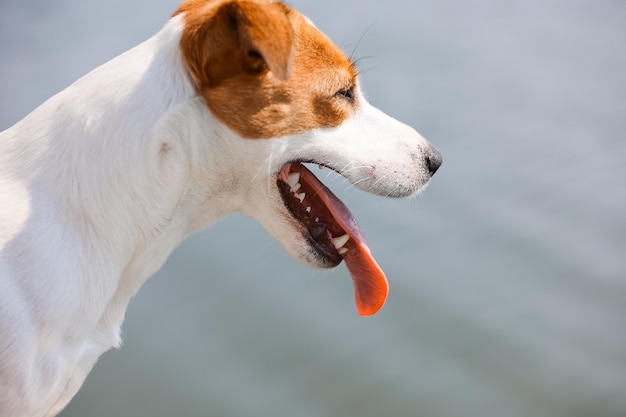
pixel 333 233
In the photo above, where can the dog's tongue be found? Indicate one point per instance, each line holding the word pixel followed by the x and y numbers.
pixel 370 284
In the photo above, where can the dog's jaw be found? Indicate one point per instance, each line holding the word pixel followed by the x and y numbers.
pixel 373 151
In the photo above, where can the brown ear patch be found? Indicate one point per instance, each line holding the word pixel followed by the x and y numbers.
pixel 225 39
pixel 263 70
pixel 265 33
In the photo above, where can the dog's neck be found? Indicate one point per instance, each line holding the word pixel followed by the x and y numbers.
pixel 133 176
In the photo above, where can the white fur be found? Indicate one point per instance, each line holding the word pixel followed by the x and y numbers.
pixel 101 182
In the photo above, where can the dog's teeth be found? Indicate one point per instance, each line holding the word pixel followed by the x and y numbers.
pixel 293 179
pixel 338 242
pixel 308 209
pixel 342 251
pixel 317 220
pixel 300 196
pixel 296 187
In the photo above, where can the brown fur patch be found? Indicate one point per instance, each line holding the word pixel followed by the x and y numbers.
pixel 263 70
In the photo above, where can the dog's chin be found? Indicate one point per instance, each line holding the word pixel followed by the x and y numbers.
pixel 310 245
pixel 303 247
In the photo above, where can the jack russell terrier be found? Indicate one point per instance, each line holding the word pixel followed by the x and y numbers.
pixel 215 113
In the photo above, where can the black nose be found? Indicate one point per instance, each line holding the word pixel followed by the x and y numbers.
pixel 434 161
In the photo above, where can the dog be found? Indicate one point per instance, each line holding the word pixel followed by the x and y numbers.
pixel 218 112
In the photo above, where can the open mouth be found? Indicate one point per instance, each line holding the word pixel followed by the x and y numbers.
pixel 333 233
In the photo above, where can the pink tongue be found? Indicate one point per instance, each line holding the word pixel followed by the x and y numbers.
pixel 370 284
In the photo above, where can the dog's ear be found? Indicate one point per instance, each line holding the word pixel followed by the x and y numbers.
pixel 237 37
pixel 264 33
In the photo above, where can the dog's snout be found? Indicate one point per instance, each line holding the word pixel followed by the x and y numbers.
pixel 433 161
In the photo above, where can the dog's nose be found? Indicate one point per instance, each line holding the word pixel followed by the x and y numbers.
pixel 433 161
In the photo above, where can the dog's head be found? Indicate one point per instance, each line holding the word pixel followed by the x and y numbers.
pixel 287 96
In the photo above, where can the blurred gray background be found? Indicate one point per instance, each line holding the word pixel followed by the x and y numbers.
pixel 508 275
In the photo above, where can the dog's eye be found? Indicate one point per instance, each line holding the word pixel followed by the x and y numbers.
pixel 346 94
